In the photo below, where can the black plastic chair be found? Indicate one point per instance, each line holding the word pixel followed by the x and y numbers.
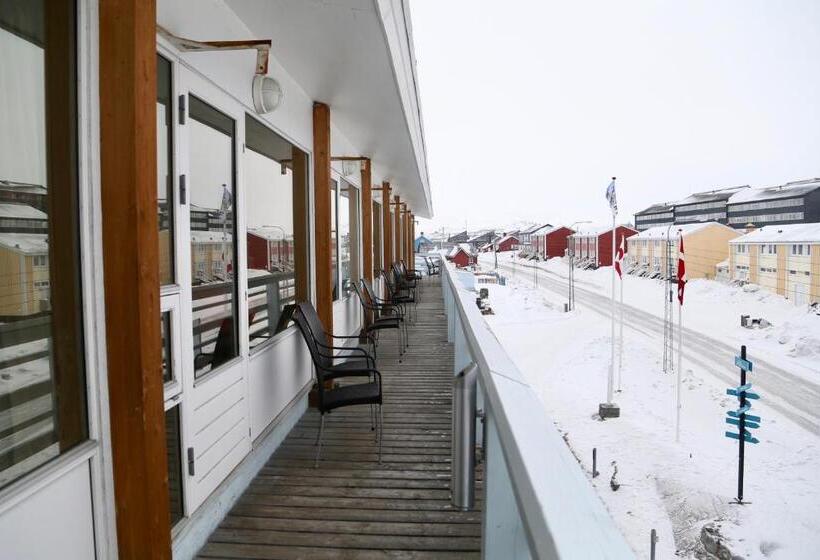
pixel 432 268
pixel 325 340
pixel 381 315
pixel 395 294
pixel 329 399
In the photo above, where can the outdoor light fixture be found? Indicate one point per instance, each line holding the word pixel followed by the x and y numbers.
pixel 267 94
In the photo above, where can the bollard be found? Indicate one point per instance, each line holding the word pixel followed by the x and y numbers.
pixel 462 481
pixel 595 462
pixel 653 539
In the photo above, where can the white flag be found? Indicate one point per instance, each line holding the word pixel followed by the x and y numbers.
pixel 227 200
pixel 611 198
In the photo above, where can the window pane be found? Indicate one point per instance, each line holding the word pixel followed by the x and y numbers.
pixel 165 332
pixel 213 250
pixel 174 452
pixel 272 187
pixel 334 240
pixel 377 236
pixel 165 170
pixel 42 379
pixel 345 209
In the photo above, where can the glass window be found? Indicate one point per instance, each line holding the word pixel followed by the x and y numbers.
pixel 42 372
pixel 334 239
pixel 165 182
pixel 213 248
pixel 274 182
pixel 165 333
pixel 348 237
pixel 173 448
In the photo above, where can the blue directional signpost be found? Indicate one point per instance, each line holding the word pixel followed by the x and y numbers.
pixel 740 417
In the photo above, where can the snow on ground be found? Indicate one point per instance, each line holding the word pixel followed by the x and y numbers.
pixel 714 308
pixel 673 488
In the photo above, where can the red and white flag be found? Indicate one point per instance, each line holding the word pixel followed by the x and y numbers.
pixel 681 272
pixel 619 256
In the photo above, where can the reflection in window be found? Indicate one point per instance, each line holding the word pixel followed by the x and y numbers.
pixel 174 451
pixel 274 182
pixel 42 380
pixel 348 237
pixel 213 249
pixel 165 182
pixel 165 333
pixel 334 240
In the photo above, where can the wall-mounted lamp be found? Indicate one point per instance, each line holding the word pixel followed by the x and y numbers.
pixel 267 94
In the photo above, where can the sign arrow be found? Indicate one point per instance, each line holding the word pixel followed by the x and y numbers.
pixel 749 424
pixel 737 413
pixel 746 394
pixel 748 437
pixel 743 364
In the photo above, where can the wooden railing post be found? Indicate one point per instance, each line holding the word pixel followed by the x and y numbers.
pixel 321 198
pixel 367 221
pixel 130 233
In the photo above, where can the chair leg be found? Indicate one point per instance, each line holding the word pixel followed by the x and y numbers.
pixel 319 441
pixel 372 418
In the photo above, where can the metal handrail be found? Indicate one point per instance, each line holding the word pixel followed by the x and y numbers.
pixel 559 510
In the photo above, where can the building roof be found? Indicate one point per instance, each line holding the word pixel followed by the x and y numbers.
pixel 22 187
pixel 534 228
pixel 458 237
pixel 26 243
pixel 713 195
pixel 9 210
pixel 208 236
pixel 595 231
pixel 508 236
pixel 461 247
pixel 423 239
pixel 271 233
pixel 795 188
pixel 660 232
pixel 792 233
pixel 486 235
pixel 657 208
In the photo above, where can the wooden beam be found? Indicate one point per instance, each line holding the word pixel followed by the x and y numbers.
pixel 349 158
pixel 321 212
pixel 387 227
pixel 397 227
pixel 367 221
pixel 130 233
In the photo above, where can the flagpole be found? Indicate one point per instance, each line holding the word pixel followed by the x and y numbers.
pixel 611 380
pixel 621 333
pixel 680 348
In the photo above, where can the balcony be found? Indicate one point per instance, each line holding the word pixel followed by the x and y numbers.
pixel 532 498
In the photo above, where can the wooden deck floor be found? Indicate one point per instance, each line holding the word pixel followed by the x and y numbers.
pixel 352 507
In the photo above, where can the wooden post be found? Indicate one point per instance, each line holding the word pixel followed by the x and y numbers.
pixel 387 227
pixel 367 221
pixel 397 227
pixel 128 165
pixel 412 259
pixel 321 199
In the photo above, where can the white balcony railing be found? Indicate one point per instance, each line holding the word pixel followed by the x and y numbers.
pixel 538 503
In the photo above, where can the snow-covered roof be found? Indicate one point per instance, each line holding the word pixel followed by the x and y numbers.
pixel 508 236
pixel 208 236
pixel 792 233
pixel 595 231
pixel 271 233
pixel 713 195
pixel 656 209
pixel 27 243
pixel 660 232
pixel 795 188
pixel 534 228
pixel 10 210
pixel 461 247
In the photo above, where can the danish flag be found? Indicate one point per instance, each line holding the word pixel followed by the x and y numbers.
pixel 619 256
pixel 681 272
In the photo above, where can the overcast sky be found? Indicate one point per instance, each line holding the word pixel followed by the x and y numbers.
pixel 531 106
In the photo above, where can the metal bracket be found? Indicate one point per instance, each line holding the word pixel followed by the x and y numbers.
pixel 262 47
pixel 182 189
pixel 191 461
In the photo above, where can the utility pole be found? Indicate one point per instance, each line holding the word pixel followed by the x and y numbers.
pixel 668 310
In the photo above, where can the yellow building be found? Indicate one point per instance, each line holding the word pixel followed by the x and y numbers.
pixel 24 283
pixel 705 245
pixel 782 259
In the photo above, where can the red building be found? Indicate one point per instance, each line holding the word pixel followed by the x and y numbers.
pixel 462 256
pixel 595 244
pixel 508 243
pixel 552 242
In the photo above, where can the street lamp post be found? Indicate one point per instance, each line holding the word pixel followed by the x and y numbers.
pixel 571 271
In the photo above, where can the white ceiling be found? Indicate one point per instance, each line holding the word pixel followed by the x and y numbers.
pixel 338 53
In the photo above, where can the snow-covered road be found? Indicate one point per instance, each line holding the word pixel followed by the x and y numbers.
pixel 792 396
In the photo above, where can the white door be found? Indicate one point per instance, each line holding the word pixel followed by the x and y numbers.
pixel 213 305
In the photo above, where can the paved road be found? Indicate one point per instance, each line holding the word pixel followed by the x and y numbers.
pixel 792 396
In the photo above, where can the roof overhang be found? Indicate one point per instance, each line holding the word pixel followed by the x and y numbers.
pixel 357 57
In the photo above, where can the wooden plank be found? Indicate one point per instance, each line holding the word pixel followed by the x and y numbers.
pixel 273 552
pixel 130 249
pixel 236 521
pixel 367 221
pixel 321 212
